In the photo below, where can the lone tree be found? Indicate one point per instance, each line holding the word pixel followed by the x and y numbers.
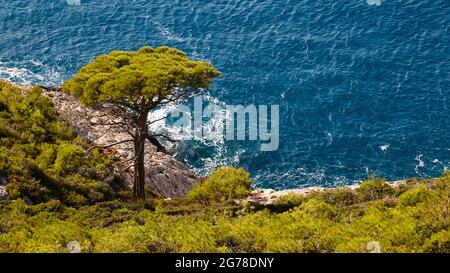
pixel 131 84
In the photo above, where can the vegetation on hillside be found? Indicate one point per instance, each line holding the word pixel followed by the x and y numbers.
pixel 41 158
pixel 59 194
pixel 131 83
pixel 411 218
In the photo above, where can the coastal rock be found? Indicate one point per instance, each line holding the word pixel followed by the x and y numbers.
pixel 270 196
pixel 165 176
pixel 3 193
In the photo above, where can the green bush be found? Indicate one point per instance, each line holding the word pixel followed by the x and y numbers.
pixel 341 197
pixel 69 158
pixel 438 243
pixel 287 202
pixel 57 195
pixel 416 196
pixel 222 185
pixel 374 189
pixel 318 225
pixel 317 208
pixel 47 156
pixel 41 158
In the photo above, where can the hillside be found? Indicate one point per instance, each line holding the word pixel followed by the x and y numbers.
pixel 55 190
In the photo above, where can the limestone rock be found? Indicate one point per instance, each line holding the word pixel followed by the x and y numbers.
pixel 3 193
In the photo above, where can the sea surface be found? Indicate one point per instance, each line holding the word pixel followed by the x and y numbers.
pixel 363 85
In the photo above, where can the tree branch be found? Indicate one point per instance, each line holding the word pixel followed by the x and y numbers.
pixel 109 145
pixel 119 163
pixel 156 120
pixel 50 88
pixel 132 165
pixel 164 136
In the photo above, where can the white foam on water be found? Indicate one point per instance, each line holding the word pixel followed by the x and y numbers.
pixel 384 147
pixel 23 73
pixel 213 138
pixel 307 176
pixel 374 2
pixel 420 163
pixel 73 2
pixel 329 138
pixel 169 34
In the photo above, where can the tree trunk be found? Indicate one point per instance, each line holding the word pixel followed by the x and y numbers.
pixel 139 169
pixel 140 138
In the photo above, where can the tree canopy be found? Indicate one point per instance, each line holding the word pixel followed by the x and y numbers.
pixel 149 76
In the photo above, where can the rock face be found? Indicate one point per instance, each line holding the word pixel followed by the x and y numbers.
pixel 165 176
pixel 3 193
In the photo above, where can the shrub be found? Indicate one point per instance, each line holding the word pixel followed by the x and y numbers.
pixel 317 208
pixel 314 226
pixel 374 189
pixel 438 243
pixel 340 197
pixel 69 158
pixel 39 154
pixel 287 202
pixel 222 185
pixel 47 156
pixel 416 196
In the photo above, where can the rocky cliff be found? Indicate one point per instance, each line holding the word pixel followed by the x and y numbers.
pixel 165 176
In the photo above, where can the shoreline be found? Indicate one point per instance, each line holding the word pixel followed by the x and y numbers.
pixel 174 184
pixel 267 196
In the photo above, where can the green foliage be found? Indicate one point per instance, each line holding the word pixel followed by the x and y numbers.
pixel 287 202
pixel 40 158
pixel 317 208
pixel 341 197
pixel 135 82
pixel 125 76
pixel 374 189
pixel 45 164
pixel 222 185
pixel 69 158
pixel 318 223
pixel 439 242
pixel 47 156
pixel 416 196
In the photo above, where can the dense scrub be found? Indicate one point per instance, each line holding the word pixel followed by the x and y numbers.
pixel 411 218
pixel 41 158
pixel 60 193
pixel 223 185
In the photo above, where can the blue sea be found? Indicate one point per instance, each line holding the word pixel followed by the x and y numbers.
pixel 363 85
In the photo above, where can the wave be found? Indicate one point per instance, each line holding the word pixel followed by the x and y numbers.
pixel 204 154
pixel 29 72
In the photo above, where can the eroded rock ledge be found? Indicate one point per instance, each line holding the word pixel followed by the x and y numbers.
pixel 165 176
pixel 270 196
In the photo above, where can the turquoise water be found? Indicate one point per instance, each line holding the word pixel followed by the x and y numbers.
pixel 362 88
